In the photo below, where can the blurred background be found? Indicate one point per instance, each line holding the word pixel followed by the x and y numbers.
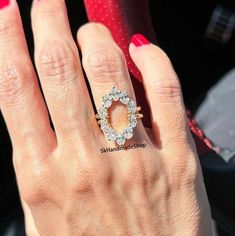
pixel 198 36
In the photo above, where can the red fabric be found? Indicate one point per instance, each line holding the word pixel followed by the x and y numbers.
pixel 124 18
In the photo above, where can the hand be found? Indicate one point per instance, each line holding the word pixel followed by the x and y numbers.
pixel 67 186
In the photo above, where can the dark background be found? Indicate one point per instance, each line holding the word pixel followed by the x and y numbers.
pixel 180 28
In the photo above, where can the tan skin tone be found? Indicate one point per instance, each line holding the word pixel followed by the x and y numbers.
pixel 66 185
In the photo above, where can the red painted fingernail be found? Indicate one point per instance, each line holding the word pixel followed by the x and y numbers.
pixel 4 3
pixel 139 40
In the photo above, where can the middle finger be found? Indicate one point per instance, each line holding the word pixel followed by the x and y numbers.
pixel 58 65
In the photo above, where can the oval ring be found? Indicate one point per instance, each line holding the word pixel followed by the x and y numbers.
pixel 111 135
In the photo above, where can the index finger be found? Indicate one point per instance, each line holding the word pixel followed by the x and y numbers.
pixel 21 101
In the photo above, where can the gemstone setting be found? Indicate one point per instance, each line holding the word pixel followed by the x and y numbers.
pixel 119 137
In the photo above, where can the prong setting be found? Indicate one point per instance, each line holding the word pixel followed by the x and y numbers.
pixel 119 137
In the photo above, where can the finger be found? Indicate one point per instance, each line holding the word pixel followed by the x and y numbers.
pixel 163 91
pixel 103 61
pixel 21 102
pixel 105 67
pixel 58 65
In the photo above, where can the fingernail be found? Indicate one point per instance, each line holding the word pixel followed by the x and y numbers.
pixel 4 3
pixel 139 40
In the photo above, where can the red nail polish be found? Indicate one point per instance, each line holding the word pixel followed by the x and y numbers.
pixel 139 40
pixel 4 3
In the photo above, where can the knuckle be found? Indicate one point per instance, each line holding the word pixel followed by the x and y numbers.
pixel 104 64
pixel 57 61
pixel 34 196
pixel 12 82
pixel 166 87
pixel 165 82
pixel 52 9
pixel 90 177
pixel 81 182
pixel 35 190
pixel 92 27
pixel 102 175
pixel 133 175
pixel 34 178
pixel 140 174
pixel 8 29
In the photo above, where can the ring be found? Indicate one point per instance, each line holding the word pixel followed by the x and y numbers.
pixel 103 119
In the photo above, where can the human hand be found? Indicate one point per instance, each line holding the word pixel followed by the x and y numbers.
pixel 67 186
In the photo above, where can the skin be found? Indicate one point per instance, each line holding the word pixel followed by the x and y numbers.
pixel 66 185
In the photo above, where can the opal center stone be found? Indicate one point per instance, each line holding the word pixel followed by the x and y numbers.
pixel 127 133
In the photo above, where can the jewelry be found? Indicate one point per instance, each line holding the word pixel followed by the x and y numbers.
pixel 133 115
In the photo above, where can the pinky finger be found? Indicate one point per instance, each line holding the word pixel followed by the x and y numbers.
pixel 163 93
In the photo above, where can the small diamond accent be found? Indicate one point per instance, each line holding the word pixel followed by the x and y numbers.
pixel 111 135
pixel 128 133
pixel 120 139
pixel 104 125
pixel 107 100
pixel 115 93
pixel 103 112
pixel 124 98
pixel 133 121
pixel 132 107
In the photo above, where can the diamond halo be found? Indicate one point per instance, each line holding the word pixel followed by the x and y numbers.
pixel 116 95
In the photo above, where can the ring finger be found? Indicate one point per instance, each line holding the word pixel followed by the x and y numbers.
pixel 105 67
